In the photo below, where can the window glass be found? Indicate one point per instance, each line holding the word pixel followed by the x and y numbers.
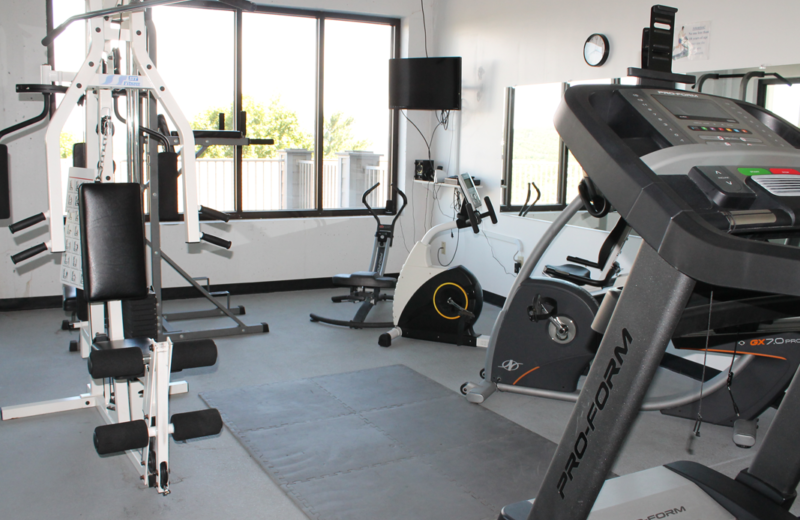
pixel 278 92
pixel 356 113
pixel 196 60
pixel 70 52
pixel 536 142
pixel 784 100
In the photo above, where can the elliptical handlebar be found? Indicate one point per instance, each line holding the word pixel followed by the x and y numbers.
pixel 369 208
pixel 405 203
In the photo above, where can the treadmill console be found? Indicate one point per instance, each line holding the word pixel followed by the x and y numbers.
pixel 689 118
pixel 739 174
pixel 696 176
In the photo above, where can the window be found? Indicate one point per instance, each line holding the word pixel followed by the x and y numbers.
pixel 534 151
pixel 314 82
pixel 776 96
pixel 183 55
pixel 537 148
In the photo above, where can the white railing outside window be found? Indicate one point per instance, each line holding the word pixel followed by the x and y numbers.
pixel 262 180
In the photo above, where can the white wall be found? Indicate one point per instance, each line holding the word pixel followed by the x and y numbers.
pixel 266 250
pixel 503 43
pixel 509 42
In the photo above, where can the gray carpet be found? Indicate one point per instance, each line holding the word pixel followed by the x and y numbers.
pixel 384 443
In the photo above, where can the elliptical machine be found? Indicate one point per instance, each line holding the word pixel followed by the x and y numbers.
pixel 436 303
pixel 361 282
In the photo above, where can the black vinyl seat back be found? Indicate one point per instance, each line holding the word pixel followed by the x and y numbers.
pixel 606 261
pixel 611 241
pixel 112 242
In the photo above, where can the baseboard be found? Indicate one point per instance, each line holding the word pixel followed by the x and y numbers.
pixel 183 293
pixel 30 304
pixel 494 299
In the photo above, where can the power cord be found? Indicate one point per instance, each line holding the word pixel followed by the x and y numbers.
pixel 491 250
pixel 699 422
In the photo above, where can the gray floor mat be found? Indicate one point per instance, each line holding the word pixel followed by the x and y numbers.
pixel 384 443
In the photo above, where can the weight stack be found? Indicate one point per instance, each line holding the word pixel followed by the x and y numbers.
pixel 139 317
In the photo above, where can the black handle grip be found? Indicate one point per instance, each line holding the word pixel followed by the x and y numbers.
pixel 29 253
pixel 214 214
pixel 26 223
pixel 211 239
pixel 490 213
pixel 256 142
pixel 473 218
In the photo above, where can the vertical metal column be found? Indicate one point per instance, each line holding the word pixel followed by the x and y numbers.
pixel 152 153
pixel 508 145
pixel 634 343
pixel 319 138
pixel 132 98
pixel 238 108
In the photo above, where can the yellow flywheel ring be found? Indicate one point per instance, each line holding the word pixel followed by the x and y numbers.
pixel 466 299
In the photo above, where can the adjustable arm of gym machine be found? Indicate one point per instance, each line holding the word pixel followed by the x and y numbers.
pixel 397 216
pixel 46 91
pixel 369 208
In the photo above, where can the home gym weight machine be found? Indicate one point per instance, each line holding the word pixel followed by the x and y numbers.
pixel 130 377
pixel 134 88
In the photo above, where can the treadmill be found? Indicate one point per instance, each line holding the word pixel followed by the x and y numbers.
pixel 712 185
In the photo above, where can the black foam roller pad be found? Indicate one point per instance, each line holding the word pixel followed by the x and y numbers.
pixel 168 187
pixel 193 354
pixel 113 438
pixel 5 192
pixel 79 155
pixel 119 363
pixel 196 424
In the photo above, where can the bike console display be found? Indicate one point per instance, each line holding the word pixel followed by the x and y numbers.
pixel 470 191
pixel 704 180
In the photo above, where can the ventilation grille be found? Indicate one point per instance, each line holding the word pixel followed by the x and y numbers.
pixel 780 185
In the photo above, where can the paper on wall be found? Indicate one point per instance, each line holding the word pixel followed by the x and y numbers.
pixel 692 42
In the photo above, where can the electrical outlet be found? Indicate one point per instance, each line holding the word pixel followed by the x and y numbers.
pixel 444 251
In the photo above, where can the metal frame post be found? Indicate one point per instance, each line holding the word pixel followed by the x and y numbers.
pixel 643 322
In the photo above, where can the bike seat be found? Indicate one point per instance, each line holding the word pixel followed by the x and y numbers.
pixel 566 270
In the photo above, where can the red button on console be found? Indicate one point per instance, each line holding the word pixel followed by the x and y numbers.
pixel 784 171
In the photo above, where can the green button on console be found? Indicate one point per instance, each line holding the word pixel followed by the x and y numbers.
pixel 754 171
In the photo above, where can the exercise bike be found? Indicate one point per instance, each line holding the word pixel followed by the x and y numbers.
pixel 436 303
pixel 550 328
pixel 365 286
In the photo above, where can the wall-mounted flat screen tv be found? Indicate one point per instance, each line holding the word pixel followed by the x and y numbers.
pixel 425 83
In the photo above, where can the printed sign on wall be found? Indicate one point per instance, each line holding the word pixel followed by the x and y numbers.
pixel 692 42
